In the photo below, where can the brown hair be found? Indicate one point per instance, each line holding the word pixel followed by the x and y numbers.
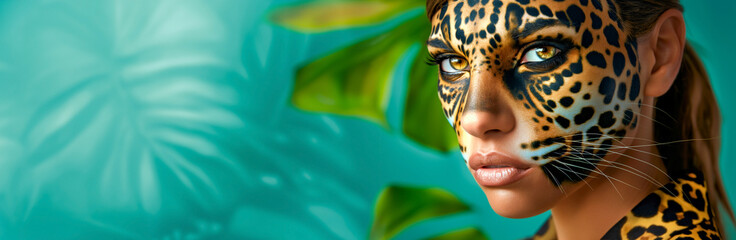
pixel 689 104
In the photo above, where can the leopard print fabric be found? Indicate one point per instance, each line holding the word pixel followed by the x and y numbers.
pixel 678 210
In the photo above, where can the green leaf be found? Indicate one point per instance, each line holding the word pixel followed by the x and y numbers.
pixel 423 118
pixel 462 234
pixel 354 81
pixel 318 16
pixel 398 207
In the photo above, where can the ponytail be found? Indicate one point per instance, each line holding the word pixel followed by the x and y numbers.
pixel 690 129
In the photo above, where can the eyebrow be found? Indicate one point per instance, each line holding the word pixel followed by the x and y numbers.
pixel 438 43
pixel 532 27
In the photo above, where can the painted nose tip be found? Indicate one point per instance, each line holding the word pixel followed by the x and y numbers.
pixel 482 124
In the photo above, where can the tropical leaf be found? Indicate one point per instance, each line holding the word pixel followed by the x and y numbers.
pixel 398 207
pixel 126 117
pixel 353 81
pixel 318 16
pixel 423 119
pixel 462 234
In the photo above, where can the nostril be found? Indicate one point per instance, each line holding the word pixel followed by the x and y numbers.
pixel 482 124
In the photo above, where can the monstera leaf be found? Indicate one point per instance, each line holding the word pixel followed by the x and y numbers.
pixel 111 118
pixel 398 207
pixel 355 80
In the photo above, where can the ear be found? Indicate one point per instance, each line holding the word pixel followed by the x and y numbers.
pixel 661 52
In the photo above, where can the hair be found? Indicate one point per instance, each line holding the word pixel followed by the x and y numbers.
pixel 689 104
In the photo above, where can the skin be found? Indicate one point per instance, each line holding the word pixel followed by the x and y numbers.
pixel 502 101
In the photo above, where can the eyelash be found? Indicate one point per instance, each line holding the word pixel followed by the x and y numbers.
pixel 548 64
pixel 433 61
pixel 558 59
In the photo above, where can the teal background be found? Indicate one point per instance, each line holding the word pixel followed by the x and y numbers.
pixel 171 119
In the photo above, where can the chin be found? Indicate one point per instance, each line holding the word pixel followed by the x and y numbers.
pixel 528 197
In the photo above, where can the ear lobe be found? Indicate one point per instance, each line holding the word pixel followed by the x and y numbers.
pixel 664 47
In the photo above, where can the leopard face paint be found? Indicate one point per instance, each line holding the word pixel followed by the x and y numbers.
pixel 565 70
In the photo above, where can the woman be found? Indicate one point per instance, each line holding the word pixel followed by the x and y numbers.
pixel 597 110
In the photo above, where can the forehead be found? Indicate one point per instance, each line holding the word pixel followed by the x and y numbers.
pixel 492 22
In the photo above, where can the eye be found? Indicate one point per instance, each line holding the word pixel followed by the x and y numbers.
pixel 540 54
pixel 453 65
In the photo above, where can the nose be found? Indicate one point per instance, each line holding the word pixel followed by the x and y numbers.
pixel 485 124
pixel 487 112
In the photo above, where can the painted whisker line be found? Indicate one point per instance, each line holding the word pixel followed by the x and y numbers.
pixel 557 183
pixel 645 177
pixel 637 159
pixel 654 107
pixel 642 175
pixel 604 175
pixel 634 138
pixel 651 119
pixel 563 170
pixel 595 146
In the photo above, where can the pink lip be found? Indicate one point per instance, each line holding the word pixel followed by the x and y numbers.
pixel 495 169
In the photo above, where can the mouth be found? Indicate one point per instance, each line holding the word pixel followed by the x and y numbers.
pixel 496 169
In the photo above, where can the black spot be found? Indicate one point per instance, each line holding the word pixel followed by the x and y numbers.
pixel 551 104
pixel 597 4
pixel 636 232
pixel 470 39
pixel 576 15
pixel 472 3
pixel 566 101
pixel 597 23
pixel 593 134
pixel 564 122
pixel 585 114
pixel 615 231
pixel 523 2
pixel 596 59
pixel 566 73
pixel 586 96
pixel 587 39
pixel 473 14
pixel 607 88
pixel 545 10
pixel 621 91
pixel 611 35
pixel 562 16
pixel 632 53
pixel 696 197
pixel 634 93
pixel 482 13
pixel 618 63
pixel 649 207
pixel 532 11
pixel 576 67
pixel 514 14
pixel 606 119
pixel 584 3
pixel 545 128
pixel 657 230
pixel 482 34
pixel 576 88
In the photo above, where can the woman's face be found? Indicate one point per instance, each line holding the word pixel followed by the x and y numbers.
pixel 540 94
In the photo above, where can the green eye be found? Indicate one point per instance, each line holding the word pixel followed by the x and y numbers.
pixel 453 65
pixel 540 54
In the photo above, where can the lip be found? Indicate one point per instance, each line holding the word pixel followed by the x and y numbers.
pixel 496 169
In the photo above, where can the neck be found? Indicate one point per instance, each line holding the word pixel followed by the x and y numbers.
pixel 591 210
